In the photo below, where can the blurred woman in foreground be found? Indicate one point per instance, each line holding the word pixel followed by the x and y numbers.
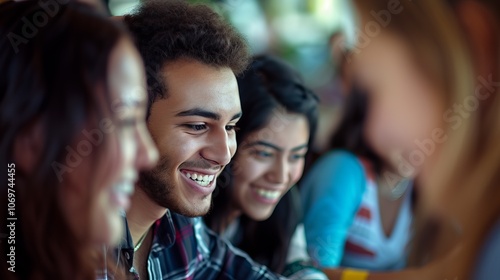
pixel 433 76
pixel 72 105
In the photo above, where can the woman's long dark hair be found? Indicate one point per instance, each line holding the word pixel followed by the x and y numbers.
pixel 54 62
pixel 268 85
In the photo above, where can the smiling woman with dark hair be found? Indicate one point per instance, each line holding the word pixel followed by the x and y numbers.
pixel 72 106
pixel 257 207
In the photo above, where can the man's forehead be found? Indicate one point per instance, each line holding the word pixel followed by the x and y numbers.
pixel 179 105
pixel 195 71
pixel 193 87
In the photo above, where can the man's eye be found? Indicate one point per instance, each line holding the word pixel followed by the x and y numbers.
pixel 196 127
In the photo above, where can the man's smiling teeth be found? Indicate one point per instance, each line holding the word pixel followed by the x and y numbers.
pixel 202 180
pixel 268 194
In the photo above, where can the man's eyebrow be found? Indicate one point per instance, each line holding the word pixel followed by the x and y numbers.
pixel 199 112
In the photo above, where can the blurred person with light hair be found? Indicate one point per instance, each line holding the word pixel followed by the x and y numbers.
pixel 433 75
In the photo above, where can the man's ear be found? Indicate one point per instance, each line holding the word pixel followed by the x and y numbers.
pixel 479 26
pixel 28 146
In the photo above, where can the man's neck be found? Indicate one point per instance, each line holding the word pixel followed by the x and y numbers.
pixel 142 214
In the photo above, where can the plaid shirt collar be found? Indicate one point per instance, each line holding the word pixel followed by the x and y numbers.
pixel 183 248
pixel 164 237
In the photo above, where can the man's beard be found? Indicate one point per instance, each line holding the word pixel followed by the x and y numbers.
pixel 156 187
pixel 159 187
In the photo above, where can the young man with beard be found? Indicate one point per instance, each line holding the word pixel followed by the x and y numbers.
pixel 191 57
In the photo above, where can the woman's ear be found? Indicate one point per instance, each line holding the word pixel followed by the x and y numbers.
pixel 28 146
pixel 480 25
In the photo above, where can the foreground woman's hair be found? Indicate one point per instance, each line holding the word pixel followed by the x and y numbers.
pixel 446 41
pixel 54 71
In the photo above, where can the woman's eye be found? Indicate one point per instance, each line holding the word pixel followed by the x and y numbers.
pixel 232 128
pixel 297 157
pixel 263 154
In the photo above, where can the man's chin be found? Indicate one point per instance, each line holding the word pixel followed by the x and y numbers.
pixel 191 210
pixel 193 214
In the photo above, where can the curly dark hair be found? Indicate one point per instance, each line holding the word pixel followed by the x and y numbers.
pixel 166 31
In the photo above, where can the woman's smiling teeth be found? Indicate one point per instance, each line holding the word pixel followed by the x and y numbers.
pixel 267 194
pixel 200 179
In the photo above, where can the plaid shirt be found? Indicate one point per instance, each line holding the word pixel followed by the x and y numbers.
pixel 183 248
